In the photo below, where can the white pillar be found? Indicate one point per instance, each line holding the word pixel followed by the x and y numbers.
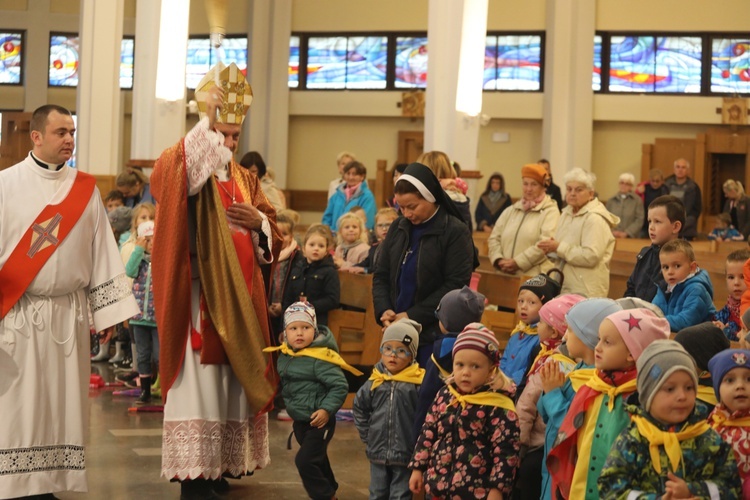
pixel 98 95
pixel 568 99
pixel 156 124
pixel 266 128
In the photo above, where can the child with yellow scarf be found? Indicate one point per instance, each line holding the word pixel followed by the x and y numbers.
pixel 668 450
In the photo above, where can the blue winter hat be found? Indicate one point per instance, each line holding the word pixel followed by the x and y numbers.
pixel 585 317
pixel 725 361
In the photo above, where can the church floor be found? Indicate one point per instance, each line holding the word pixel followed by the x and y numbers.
pixel 123 457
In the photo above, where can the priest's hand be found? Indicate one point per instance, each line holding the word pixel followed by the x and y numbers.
pixel 214 102
pixel 244 215
pixel 319 418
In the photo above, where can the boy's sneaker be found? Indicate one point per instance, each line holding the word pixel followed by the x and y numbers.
pixel 283 416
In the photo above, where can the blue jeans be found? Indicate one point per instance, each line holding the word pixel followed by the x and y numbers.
pixel 147 345
pixel 389 482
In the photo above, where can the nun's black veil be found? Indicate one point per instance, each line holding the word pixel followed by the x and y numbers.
pixel 426 177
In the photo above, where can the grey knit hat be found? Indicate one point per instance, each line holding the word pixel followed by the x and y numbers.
pixel 460 307
pixel 657 362
pixel 405 331
pixel 585 317
pixel 120 219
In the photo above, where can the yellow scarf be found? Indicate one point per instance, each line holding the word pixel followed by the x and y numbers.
pixel 707 395
pixel 670 440
pixel 580 377
pixel 596 383
pixel 443 374
pixel 321 353
pixel 522 327
pixel 720 418
pixel 412 374
pixel 482 398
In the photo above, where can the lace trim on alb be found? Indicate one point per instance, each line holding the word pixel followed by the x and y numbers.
pixel 204 153
pixel 110 292
pixel 207 448
pixel 41 458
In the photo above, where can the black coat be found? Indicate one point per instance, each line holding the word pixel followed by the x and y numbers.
pixel 319 281
pixel 646 276
pixel 690 194
pixel 445 261
pixel 743 214
pixel 553 190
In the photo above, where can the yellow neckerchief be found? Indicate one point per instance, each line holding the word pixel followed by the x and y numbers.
pixel 720 418
pixel 707 395
pixel 550 353
pixel 482 398
pixel 580 377
pixel 670 440
pixel 525 328
pixel 412 374
pixel 443 374
pixel 596 383
pixel 321 353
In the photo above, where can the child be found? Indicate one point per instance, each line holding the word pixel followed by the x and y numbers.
pixel 141 213
pixel 354 191
pixel 649 191
pixel 352 238
pixel 315 277
pixel 551 330
pixel 668 449
pixel 703 342
pixel 113 200
pixel 456 310
pixel 583 321
pixel 314 388
pixel 144 324
pixel 384 411
pixel 724 231
pixel 596 415
pixel 468 446
pixel 383 220
pixel 360 212
pixel 687 298
pixel 288 256
pixel 666 217
pixel 730 370
pixel 523 345
pixel 120 219
pixel 728 318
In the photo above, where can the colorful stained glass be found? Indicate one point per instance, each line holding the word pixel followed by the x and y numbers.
pixel 10 58
pixel 411 62
pixel 655 64
pixel 200 57
pixel 126 63
pixel 293 62
pixel 490 63
pixel 339 62
pixel 519 62
pixel 596 76
pixel 63 60
pixel 730 65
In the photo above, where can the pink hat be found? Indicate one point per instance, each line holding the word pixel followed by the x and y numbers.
pixel 553 312
pixel 478 337
pixel 638 328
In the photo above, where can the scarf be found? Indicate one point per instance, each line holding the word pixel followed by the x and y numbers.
pixel 734 310
pixel 669 440
pixel 530 204
pixel 321 353
pixel 525 329
pixel 720 417
pixel 495 196
pixel 707 395
pixel 626 386
pixel 547 350
pixel 486 398
pixel 579 377
pixel 412 374
pixel 350 191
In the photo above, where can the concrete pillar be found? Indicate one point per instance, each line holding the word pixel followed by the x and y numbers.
pixel 568 99
pixel 266 128
pixel 98 95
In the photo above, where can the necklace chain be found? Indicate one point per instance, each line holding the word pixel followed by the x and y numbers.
pixel 218 182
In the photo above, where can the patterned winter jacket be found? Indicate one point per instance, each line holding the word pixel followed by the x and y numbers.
pixel 465 452
pixel 737 436
pixel 707 464
pixel 139 268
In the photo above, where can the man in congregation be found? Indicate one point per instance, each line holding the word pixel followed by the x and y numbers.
pixel 214 229
pixel 686 190
pixel 58 258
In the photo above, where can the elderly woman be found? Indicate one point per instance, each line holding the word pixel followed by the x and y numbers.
pixel 737 206
pixel 583 242
pixel 427 252
pixel 628 207
pixel 441 166
pixel 531 219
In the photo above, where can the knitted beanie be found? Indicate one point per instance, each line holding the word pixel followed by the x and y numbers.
pixel 478 337
pixel 146 229
pixel 639 328
pixel 120 219
pixel 585 317
pixel 534 171
pixel 703 341
pixel 553 312
pixel 542 286
pixel 405 331
pixel 725 361
pixel 460 307
pixel 300 311
pixel 638 303
pixel 657 362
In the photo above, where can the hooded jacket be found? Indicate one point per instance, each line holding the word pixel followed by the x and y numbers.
pixel 338 205
pixel 690 303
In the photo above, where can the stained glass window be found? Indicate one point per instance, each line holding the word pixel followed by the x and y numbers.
pixel 730 65
pixel 489 80
pixel 596 76
pixel 126 63
pixel 655 64
pixel 355 62
pixel 294 62
pixel 11 45
pixel 63 60
pixel 411 62
pixel 518 63
pixel 200 57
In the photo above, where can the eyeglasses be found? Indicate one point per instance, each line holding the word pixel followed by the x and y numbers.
pixel 384 226
pixel 402 353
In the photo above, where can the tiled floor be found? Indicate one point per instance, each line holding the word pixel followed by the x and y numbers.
pixel 123 457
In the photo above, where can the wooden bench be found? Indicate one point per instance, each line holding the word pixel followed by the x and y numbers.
pixel 356 331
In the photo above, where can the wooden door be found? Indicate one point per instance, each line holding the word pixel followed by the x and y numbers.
pixel 16 143
pixel 410 146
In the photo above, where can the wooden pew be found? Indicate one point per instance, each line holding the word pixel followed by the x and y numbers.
pixel 499 289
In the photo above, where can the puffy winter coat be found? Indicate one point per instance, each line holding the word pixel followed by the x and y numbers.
pixel 338 206
pixel 690 303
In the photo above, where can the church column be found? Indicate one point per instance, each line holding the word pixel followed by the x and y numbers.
pixel 568 99
pixel 450 126
pixel 157 123
pixel 266 129
pixel 98 95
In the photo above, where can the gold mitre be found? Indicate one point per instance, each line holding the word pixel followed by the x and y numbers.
pixel 237 93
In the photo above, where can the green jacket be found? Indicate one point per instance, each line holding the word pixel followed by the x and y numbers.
pixel 309 384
